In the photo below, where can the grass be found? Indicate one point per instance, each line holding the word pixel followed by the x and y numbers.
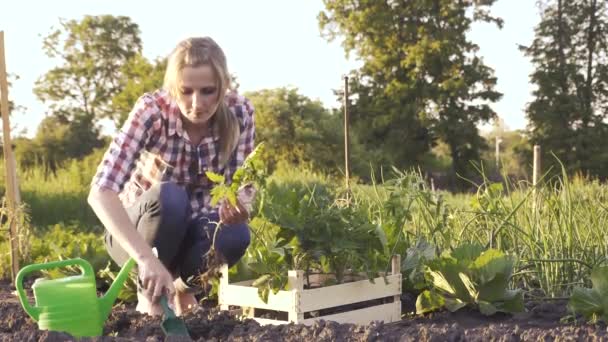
pixel 557 234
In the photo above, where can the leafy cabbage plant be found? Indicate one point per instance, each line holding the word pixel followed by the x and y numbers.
pixel 592 303
pixel 469 276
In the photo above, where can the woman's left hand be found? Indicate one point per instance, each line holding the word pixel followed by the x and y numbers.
pixel 230 214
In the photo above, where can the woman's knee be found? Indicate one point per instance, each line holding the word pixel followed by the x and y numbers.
pixel 170 201
pixel 232 242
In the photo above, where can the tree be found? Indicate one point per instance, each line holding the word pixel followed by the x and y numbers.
pixel 93 53
pixel 297 130
pixel 11 104
pixel 420 79
pixel 138 76
pixel 58 139
pixel 570 106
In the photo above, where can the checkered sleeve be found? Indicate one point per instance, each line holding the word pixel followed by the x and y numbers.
pixel 120 159
pixel 245 114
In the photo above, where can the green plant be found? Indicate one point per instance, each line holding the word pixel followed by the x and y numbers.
pixel 592 303
pixel 269 263
pixel 412 266
pixel 469 276
pixel 320 233
pixel 251 171
pixel 128 292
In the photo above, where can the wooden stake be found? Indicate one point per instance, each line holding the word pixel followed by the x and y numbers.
pixel 296 285
pixel 346 120
pixel 535 174
pixel 9 163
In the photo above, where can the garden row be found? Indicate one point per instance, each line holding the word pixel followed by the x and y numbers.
pixel 455 250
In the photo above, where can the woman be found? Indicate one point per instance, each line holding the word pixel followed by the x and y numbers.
pixel 150 189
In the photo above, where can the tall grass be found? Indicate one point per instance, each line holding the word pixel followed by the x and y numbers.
pixel 58 198
pixel 557 234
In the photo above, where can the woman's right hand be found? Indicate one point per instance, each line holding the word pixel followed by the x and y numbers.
pixel 156 280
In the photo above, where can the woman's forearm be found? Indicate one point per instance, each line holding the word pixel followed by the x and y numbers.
pixel 110 211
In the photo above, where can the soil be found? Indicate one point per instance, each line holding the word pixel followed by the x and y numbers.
pixel 540 322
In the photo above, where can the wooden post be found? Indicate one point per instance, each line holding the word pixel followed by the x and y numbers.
pixel 497 152
pixel 535 174
pixel 396 269
pixel 9 164
pixel 296 286
pixel 224 281
pixel 346 121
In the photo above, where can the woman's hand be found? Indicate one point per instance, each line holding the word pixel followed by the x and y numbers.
pixel 230 214
pixel 155 279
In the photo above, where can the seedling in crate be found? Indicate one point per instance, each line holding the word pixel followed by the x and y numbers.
pixel 251 172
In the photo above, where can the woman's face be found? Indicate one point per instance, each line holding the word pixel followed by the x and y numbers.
pixel 198 94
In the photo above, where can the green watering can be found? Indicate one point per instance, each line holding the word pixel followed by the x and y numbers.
pixel 71 304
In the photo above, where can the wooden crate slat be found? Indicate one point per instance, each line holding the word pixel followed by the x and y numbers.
pixel 247 296
pixel 349 293
pixel 384 312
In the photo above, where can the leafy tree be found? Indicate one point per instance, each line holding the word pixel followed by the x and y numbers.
pixel 138 76
pixel 420 79
pixel 570 106
pixel 58 139
pixel 93 53
pixel 11 104
pixel 297 130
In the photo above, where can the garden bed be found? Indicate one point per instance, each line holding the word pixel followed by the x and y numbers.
pixel 540 322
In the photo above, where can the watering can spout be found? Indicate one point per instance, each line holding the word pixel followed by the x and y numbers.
pixel 107 301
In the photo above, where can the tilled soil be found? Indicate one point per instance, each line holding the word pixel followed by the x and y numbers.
pixel 541 322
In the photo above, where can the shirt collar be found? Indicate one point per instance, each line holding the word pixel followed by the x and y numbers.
pixel 175 120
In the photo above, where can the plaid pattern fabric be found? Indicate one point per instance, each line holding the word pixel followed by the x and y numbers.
pixel 151 147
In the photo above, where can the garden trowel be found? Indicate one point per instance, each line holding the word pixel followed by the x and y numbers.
pixel 171 324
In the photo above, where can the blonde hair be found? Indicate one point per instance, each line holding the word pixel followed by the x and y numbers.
pixel 195 52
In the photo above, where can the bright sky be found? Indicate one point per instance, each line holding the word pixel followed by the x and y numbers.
pixel 270 43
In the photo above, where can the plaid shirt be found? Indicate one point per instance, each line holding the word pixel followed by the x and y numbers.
pixel 151 147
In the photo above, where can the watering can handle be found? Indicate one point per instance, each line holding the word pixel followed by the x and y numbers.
pixel 33 311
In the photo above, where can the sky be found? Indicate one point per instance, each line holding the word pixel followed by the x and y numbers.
pixel 268 44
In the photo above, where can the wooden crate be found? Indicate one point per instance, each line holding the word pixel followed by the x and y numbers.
pixel 298 302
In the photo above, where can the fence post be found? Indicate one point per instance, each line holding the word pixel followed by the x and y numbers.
pixel 535 174
pixel 9 164
pixel 346 130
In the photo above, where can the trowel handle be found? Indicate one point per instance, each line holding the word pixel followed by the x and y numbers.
pixel 34 312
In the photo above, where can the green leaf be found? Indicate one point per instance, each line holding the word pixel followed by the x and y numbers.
pixel 429 301
pixel 513 302
pixel 587 302
pixel 490 263
pixel 486 308
pixel 454 304
pixel 469 285
pixel 262 280
pixel 264 292
pixel 466 253
pixel 214 177
pixel 444 276
pixel 494 290
pixel 599 279
pixel 440 282
pixel 231 196
pixel 381 235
